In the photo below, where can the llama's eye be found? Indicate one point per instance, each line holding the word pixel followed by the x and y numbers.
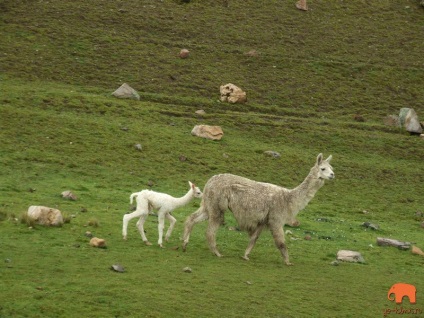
pixel 322 169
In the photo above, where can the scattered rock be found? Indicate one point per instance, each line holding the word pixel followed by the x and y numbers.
pixel 232 94
pixel 150 183
pixel 138 147
pixel 409 119
pixel 118 268
pixel 350 256
pixel 126 91
pixel 381 241
pixel 187 270
pixel 370 226
pixel 69 195
pixel 417 251
pixel 184 53
pixel 249 283
pixel 182 158
pixel 31 190
pixel 83 210
pixel 273 154
pixel 308 237
pixel 200 112
pixel 302 5
pixel 208 132
pixel 335 263
pixel 97 242
pixel 45 216
pixel 88 234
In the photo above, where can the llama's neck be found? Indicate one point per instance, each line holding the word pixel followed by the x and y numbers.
pixel 179 202
pixel 304 192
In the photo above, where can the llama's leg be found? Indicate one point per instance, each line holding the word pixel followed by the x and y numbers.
pixel 126 219
pixel 278 234
pixel 161 225
pixel 254 235
pixel 140 226
pixel 197 217
pixel 214 223
pixel 172 222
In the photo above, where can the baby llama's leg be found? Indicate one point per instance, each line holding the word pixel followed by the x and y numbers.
pixel 161 226
pixel 126 219
pixel 140 226
pixel 172 222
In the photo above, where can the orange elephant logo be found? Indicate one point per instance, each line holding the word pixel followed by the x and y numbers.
pixel 401 290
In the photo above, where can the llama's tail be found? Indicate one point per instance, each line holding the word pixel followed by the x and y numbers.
pixel 132 196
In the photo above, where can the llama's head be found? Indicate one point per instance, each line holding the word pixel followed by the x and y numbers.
pixel 323 168
pixel 196 191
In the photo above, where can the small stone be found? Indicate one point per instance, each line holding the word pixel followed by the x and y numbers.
pixel 350 256
pixel 335 263
pixel 200 112
pixel 417 251
pixel 249 283
pixel 118 268
pixel 138 147
pixel 126 91
pixel 184 53
pixel 187 270
pixel 302 5
pixel 69 195
pixel 273 154
pixel 308 237
pixel 98 242
pixel 88 234
pixel 371 226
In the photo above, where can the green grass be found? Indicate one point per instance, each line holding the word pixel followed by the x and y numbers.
pixel 62 130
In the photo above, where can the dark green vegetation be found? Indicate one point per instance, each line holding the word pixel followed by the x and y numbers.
pixel 62 130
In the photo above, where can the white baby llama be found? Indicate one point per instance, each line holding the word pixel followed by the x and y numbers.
pixel 148 200
pixel 255 205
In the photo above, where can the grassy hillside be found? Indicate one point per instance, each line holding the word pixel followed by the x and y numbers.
pixel 62 130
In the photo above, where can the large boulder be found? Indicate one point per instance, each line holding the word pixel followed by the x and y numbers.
pixel 126 91
pixel 45 216
pixel 208 132
pixel 409 119
pixel 232 94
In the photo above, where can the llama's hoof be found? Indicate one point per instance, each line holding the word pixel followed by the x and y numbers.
pixel 161 246
pixel 125 238
pixel 245 257
pixel 147 243
pixel 289 264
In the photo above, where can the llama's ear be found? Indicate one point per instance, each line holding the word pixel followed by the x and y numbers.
pixel 191 185
pixel 329 158
pixel 319 159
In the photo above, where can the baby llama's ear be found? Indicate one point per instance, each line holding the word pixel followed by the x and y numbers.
pixel 329 158
pixel 319 159
pixel 191 185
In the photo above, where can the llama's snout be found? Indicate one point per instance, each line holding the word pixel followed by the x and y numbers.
pixel 332 175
